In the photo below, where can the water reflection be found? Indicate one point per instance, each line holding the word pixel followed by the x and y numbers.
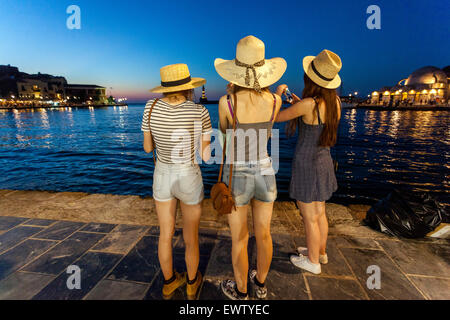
pixel 17 118
pixel 44 118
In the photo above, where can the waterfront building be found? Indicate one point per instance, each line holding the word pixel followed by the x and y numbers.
pixel 85 93
pixel 41 86
pixel 425 86
pixel 23 88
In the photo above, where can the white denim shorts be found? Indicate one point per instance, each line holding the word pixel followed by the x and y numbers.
pixel 252 180
pixel 180 181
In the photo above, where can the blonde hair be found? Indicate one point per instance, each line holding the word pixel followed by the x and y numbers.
pixel 235 89
pixel 188 94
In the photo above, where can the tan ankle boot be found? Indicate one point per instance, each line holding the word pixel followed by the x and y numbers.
pixel 169 289
pixel 193 289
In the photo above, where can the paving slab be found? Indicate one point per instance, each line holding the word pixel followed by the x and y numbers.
pixel 433 288
pixel 39 222
pixel 419 258
pixel 41 231
pixel 98 227
pixel 59 230
pixel 394 284
pixel 354 242
pixel 121 239
pixel 93 265
pixel 117 290
pixel 140 264
pixel 57 259
pixel 22 254
pixel 220 264
pixel 7 222
pixel 23 285
pixel 13 236
pixel 285 281
pixel 324 288
pixel 283 246
pixel 211 290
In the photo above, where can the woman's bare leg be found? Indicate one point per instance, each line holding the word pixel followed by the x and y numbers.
pixel 262 216
pixel 191 221
pixel 239 255
pixel 166 216
pixel 311 222
pixel 323 226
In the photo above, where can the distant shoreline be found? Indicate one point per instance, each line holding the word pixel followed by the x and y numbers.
pixel 400 108
pixel 62 106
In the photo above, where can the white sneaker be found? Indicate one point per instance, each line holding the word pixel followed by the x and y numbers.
pixel 323 258
pixel 303 262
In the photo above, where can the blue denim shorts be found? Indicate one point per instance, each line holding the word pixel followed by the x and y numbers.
pixel 180 181
pixel 252 181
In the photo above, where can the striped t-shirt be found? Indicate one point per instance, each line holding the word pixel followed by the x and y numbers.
pixel 176 129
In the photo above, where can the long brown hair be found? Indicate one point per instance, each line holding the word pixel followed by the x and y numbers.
pixel 329 133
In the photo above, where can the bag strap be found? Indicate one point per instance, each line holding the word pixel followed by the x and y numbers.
pixel 274 107
pixel 149 117
pixel 224 150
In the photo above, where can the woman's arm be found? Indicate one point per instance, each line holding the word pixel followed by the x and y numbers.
pixel 223 111
pixel 296 110
pixel 279 102
pixel 148 142
pixel 205 146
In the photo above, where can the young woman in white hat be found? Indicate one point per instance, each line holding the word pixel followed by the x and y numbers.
pixel 177 127
pixel 313 180
pixel 253 178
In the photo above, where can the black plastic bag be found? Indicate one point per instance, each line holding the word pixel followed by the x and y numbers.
pixel 405 214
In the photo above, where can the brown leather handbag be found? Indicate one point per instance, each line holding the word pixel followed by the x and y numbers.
pixel 221 195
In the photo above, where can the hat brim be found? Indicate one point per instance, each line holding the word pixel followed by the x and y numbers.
pixel 333 84
pixel 194 83
pixel 272 71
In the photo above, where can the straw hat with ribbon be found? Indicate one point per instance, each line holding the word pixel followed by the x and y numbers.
pixel 176 77
pixel 250 69
pixel 323 69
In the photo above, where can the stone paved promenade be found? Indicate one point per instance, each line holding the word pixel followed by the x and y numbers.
pixel 113 239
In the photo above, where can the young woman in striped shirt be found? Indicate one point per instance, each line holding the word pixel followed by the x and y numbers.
pixel 177 128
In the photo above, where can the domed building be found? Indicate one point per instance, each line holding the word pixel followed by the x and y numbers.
pixel 427 85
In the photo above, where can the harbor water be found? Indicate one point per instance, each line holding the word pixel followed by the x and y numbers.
pixel 99 150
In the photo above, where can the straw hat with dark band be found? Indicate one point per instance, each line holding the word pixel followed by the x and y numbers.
pixel 176 77
pixel 250 69
pixel 323 69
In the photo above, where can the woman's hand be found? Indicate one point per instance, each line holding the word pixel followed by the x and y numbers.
pixel 295 98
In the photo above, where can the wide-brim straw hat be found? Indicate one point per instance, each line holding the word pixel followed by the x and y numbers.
pixel 323 69
pixel 250 69
pixel 176 77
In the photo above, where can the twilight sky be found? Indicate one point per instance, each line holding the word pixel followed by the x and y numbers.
pixel 122 44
